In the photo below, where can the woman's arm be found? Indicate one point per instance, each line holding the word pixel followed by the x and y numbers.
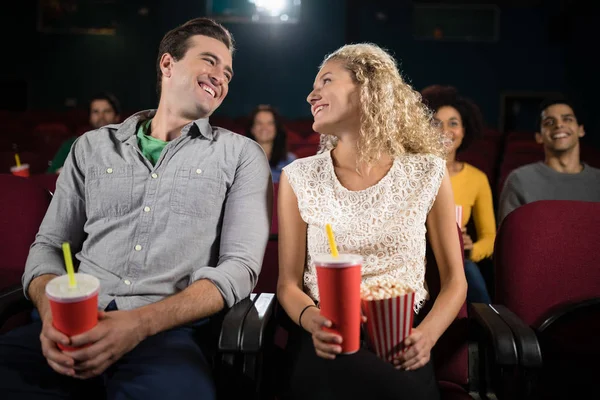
pixel 443 237
pixel 292 258
pixel 292 252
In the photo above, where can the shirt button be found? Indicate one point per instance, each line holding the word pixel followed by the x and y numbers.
pixel 127 282
pixel 154 176
pixel 198 171
pixel 146 209
pixel 109 170
pixel 138 247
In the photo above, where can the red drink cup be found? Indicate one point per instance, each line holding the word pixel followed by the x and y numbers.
pixel 22 170
pixel 74 310
pixel 339 281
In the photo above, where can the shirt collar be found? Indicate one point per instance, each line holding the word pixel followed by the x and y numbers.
pixel 128 127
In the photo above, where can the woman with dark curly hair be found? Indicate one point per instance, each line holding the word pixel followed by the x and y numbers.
pixel 266 128
pixel 461 121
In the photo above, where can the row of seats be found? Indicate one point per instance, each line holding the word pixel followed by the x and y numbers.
pixel 38 135
pixel 539 339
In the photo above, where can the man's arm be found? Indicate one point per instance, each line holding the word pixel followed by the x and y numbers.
pixel 64 221
pixel 201 299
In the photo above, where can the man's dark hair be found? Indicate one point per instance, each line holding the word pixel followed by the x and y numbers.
pixel 111 98
pixel 550 101
pixel 437 96
pixel 176 42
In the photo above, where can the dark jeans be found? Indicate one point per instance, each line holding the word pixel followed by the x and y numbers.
pixel 477 291
pixel 170 364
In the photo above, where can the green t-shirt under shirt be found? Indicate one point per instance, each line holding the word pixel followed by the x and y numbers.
pixel 151 147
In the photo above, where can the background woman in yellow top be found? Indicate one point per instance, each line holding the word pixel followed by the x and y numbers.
pixel 461 121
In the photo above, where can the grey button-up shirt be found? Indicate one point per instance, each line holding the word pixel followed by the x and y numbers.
pixel 147 232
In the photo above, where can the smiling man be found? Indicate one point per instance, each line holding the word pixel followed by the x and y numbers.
pixel 562 175
pixel 172 216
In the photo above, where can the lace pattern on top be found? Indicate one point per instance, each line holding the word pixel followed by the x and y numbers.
pixel 384 223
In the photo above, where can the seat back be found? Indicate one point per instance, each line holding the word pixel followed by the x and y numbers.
pixel 546 255
pixel 23 205
pixel 450 354
pixel 46 181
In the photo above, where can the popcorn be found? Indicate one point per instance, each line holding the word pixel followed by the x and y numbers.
pixel 388 307
pixel 383 290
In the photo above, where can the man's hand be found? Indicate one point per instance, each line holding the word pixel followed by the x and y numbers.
pixel 50 336
pixel 116 334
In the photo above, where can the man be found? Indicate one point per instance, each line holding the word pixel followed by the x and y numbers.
pixel 172 216
pixel 562 175
pixel 104 110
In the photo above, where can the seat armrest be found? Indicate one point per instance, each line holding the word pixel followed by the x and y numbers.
pixel 230 336
pixel 528 347
pixel 12 301
pixel 567 309
pixel 259 318
pixel 497 334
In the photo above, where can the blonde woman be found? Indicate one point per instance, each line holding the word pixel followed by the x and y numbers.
pixel 380 179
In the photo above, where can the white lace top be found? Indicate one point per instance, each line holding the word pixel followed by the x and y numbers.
pixel 384 223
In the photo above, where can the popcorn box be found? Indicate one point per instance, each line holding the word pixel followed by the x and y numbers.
pixel 459 212
pixel 389 312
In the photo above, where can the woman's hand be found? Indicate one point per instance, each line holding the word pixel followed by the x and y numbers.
pixel 327 345
pixel 417 352
pixel 467 241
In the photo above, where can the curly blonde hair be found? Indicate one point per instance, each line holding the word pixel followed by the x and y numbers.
pixel 393 119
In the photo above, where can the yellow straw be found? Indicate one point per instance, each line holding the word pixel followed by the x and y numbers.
pixel 332 245
pixel 69 263
pixel 17 160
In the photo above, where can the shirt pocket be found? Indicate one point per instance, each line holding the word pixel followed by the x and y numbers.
pixel 109 190
pixel 197 192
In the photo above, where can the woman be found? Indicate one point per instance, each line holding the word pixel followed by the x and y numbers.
pixel 461 122
pixel 381 181
pixel 267 129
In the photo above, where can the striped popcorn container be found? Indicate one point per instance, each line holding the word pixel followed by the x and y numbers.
pixel 459 216
pixel 389 322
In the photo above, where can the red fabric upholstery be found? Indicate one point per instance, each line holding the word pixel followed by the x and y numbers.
pixel 305 151
pixel 484 154
pixel 49 137
pixel 23 205
pixel 452 391
pixel 267 281
pixel 520 136
pixel 37 164
pixel 546 254
pixel 302 126
pixel 275 218
pixel 450 354
pixel 293 138
pixel 46 181
pixel 228 123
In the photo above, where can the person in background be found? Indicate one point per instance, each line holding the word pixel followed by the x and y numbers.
pixel 461 122
pixel 266 128
pixel 104 110
pixel 562 175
